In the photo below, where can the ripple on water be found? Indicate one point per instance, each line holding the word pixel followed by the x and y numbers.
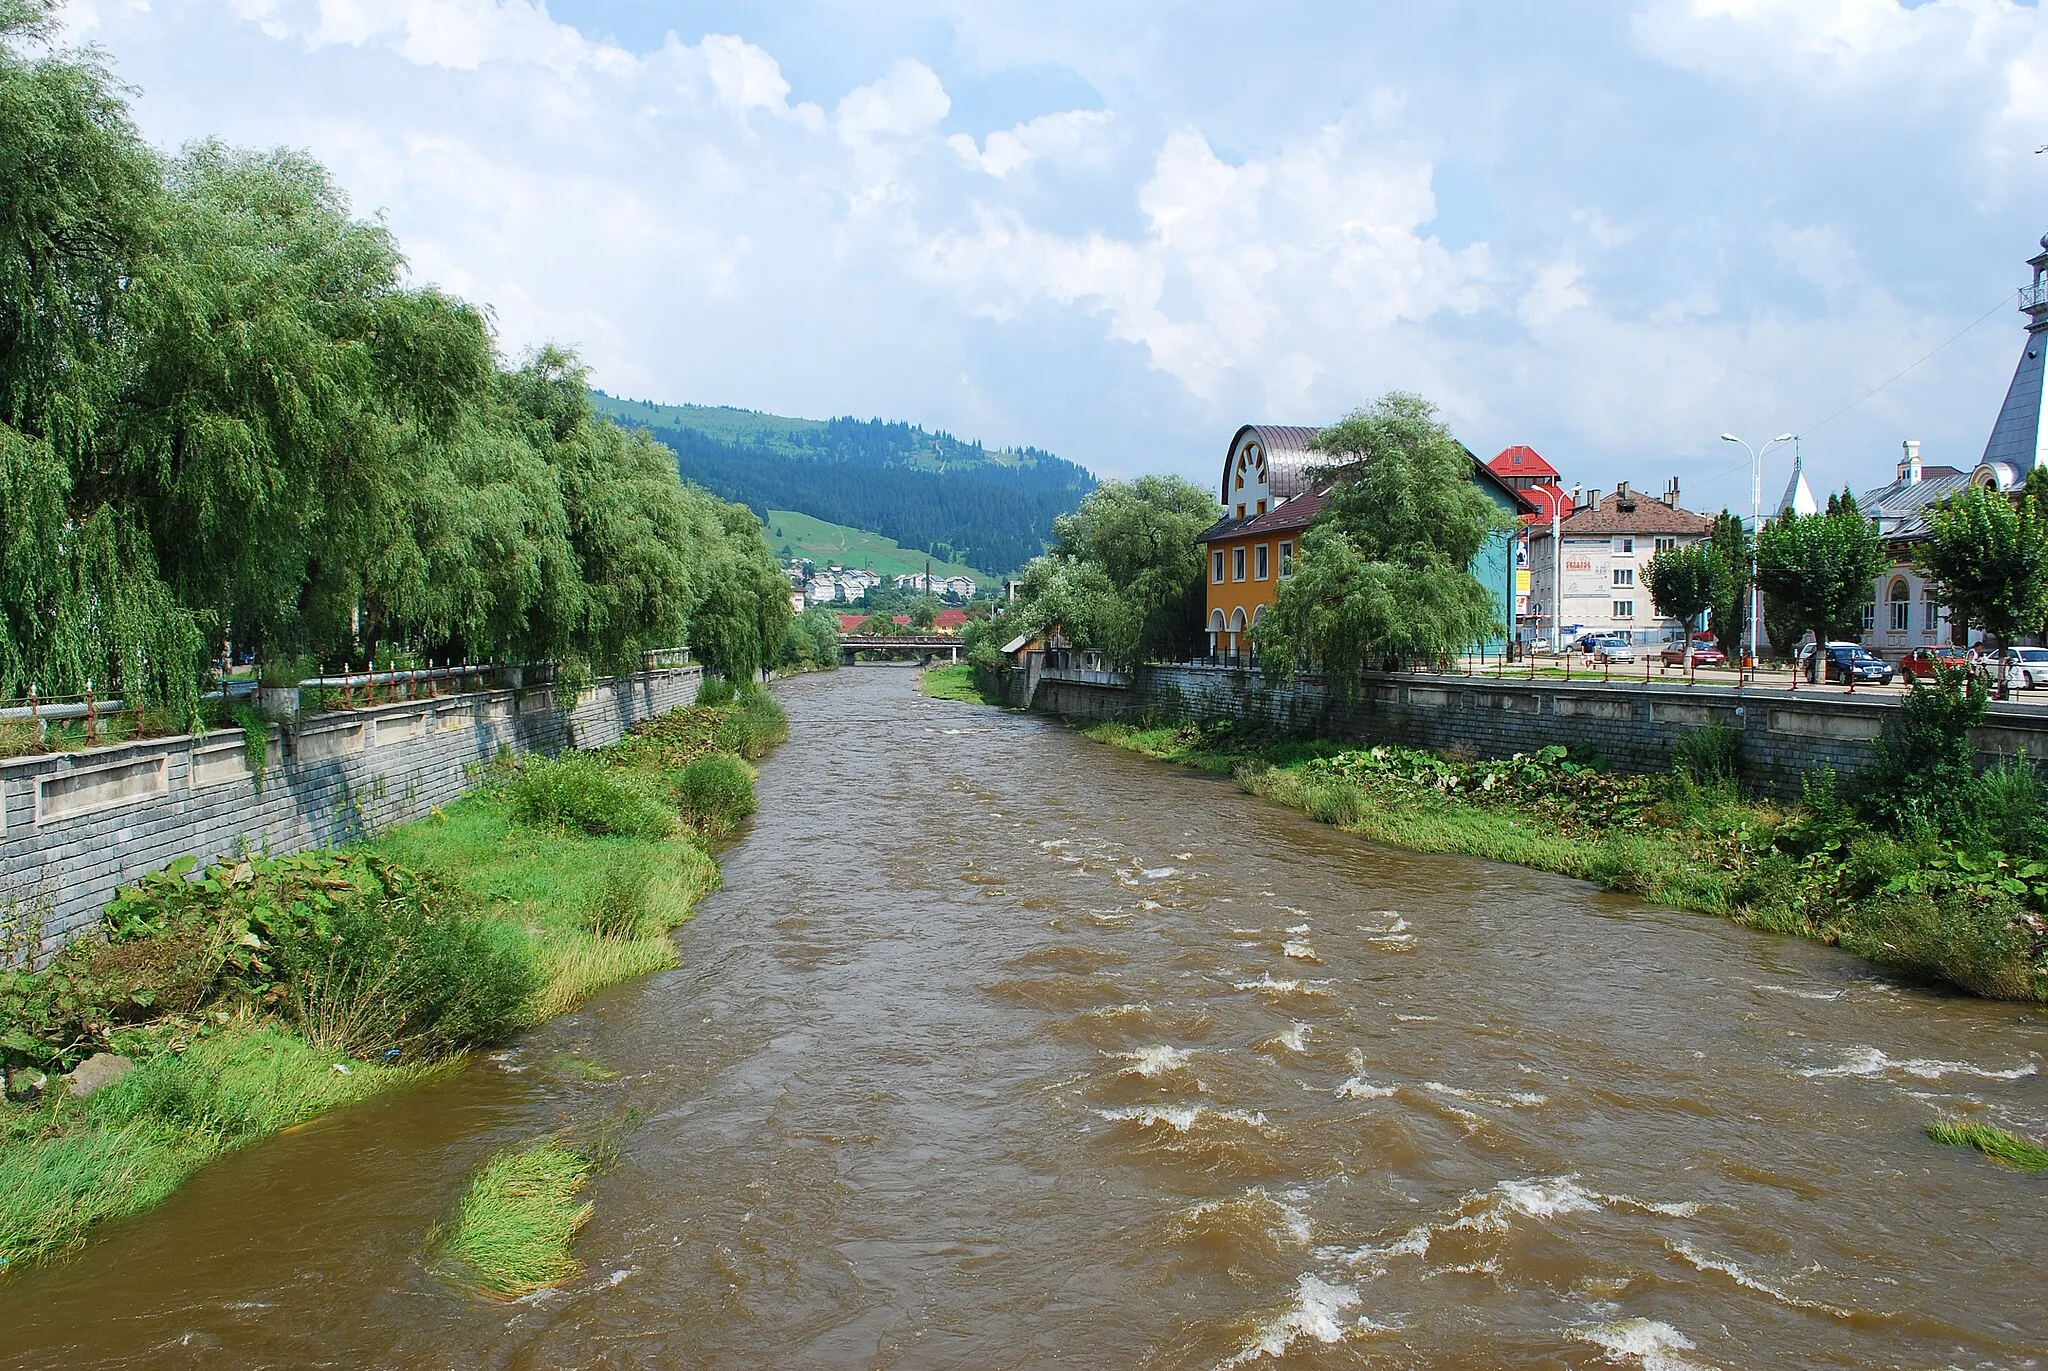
pixel 1870 1061
pixel 1652 1345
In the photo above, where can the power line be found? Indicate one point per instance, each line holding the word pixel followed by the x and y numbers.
pixel 2002 301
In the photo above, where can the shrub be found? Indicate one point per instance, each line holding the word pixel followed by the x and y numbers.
pixel 716 791
pixel 397 974
pixel 715 690
pixel 1970 938
pixel 1923 767
pixel 2008 808
pixel 755 725
pixel 1708 756
pixel 624 904
pixel 580 792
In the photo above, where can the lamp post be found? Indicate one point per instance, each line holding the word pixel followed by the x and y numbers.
pixel 1756 524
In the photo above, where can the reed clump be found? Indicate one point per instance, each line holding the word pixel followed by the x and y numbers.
pixel 2008 1149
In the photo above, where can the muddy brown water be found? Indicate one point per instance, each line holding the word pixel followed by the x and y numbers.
pixel 1004 1049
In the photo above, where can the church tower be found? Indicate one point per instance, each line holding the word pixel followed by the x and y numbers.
pixel 2019 440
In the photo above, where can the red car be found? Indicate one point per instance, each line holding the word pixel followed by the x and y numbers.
pixel 1921 661
pixel 1703 654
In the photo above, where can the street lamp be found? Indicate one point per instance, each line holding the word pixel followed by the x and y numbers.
pixel 1756 524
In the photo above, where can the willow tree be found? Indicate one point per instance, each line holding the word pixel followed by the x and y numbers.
pixel 1124 574
pixel 81 599
pixel 1384 575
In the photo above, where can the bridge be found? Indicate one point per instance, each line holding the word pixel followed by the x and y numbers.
pixel 923 646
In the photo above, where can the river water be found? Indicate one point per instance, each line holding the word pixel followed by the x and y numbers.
pixel 1004 1049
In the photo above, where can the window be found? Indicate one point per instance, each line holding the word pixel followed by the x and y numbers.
pixel 1240 511
pixel 1237 564
pixel 1666 544
pixel 1627 545
pixel 1624 609
pixel 1259 569
pixel 1932 607
pixel 1262 507
pixel 1286 560
pixel 1624 577
pixel 1216 566
pixel 1869 615
pixel 1901 607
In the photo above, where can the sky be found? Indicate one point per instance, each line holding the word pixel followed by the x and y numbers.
pixel 1611 229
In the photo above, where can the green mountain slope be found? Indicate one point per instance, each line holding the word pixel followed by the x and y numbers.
pixel 829 544
pixel 929 492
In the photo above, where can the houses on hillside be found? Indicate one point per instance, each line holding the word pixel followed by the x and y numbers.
pixel 924 583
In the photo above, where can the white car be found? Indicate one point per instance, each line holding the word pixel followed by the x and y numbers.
pixel 1614 648
pixel 2025 668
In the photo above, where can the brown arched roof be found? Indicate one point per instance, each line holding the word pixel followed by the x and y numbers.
pixel 1288 459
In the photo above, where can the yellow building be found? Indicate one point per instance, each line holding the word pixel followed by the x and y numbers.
pixel 1267 502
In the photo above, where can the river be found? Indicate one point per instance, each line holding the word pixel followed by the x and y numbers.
pixel 1000 1048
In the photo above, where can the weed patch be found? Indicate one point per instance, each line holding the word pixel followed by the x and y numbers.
pixel 518 1221
pixel 2008 1149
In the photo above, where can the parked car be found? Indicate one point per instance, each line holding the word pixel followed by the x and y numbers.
pixel 1921 661
pixel 1608 647
pixel 1847 663
pixel 1703 654
pixel 2024 668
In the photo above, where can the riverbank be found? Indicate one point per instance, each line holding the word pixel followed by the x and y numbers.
pixel 1922 901
pixel 224 1006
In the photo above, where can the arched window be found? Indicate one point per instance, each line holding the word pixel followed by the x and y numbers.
pixel 1257 614
pixel 1901 606
pixel 1216 621
pixel 1237 619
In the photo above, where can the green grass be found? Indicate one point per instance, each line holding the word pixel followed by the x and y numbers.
pixel 67 1164
pixel 553 884
pixel 2006 1148
pixel 841 545
pixel 518 1221
pixel 955 682
pixel 589 911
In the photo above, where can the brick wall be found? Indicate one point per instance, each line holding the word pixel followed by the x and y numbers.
pixel 1784 736
pixel 74 827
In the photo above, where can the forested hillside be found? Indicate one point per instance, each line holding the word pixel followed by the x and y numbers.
pixel 956 500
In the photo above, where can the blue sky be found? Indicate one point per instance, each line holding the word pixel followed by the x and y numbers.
pixel 1611 229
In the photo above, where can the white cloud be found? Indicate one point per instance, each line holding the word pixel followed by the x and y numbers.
pixel 1644 229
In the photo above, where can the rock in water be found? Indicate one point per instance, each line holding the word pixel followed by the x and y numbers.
pixel 96 1072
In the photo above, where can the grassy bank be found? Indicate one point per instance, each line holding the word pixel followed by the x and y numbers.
pixel 955 682
pixel 261 993
pixel 1932 895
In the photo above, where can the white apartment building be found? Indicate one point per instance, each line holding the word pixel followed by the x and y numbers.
pixel 1606 543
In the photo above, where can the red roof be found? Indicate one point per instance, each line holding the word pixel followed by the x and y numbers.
pixel 850 623
pixel 1541 496
pixel 1521 460
pixel 950 620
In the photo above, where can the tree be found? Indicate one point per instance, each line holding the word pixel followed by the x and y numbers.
pixel 1989 558
pixel 1732 547
pixel 1384 576
pixel 1821 568
pixel 924 614
pixel 1124 573
pixel 1684 583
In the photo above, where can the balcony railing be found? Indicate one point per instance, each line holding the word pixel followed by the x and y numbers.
pixel 2035 296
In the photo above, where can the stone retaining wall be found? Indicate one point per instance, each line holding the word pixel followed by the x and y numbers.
pixel 74 827
pixel 1785 736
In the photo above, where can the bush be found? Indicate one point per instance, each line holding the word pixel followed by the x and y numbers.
pixel 1923 768
pixel 756 724
pixel 1973 939
pixel 2008 810
pixel 397 975
pixel 624 904
pixel 716 791
pixel 582 793
pixel 1708 756
pixel 713 691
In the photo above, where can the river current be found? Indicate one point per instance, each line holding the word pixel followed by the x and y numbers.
pixel 1000 1048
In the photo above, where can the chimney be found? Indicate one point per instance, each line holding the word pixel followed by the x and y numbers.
pixel 1593 498
pixel 1909 465
pixel 1621 490
pixel 1671 494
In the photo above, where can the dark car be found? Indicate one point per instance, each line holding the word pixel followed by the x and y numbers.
pixel 1702 655
pixel 1922 661
pixel 1849 664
